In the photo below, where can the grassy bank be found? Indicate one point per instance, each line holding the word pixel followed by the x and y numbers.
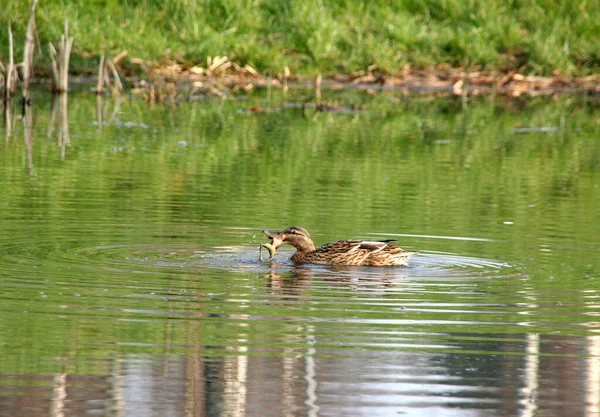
pixel 328 36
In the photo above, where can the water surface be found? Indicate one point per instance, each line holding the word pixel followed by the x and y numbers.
pixel 130 283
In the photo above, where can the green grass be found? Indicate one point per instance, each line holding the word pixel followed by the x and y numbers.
pixel 327 36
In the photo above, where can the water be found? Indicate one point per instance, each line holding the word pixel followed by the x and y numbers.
pixel 130 283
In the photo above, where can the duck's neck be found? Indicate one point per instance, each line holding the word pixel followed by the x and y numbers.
pixel 304 245
pixel 303 253
pixel 299 257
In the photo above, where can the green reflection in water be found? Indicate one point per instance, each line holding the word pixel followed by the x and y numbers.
pixel 141 236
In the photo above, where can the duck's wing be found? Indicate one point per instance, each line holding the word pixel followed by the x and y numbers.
pixel 350 246
pixel 358 252
pixel 375 245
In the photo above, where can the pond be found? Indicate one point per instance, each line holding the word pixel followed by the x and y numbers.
pixel 130 283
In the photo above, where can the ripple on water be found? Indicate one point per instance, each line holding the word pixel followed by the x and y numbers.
pixel 438 289
pixel 194 257
pixel 191 258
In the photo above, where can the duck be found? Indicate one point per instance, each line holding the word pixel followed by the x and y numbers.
pixel 341 252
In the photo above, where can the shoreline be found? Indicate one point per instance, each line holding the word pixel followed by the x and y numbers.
pixel 430 82
pixel 454 82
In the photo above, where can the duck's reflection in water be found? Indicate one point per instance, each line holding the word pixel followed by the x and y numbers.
pixel 297 280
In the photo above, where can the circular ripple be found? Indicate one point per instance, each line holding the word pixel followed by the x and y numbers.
pixel 128 257
pixel 67 252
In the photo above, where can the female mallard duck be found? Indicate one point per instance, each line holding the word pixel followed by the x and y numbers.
pixel 342 252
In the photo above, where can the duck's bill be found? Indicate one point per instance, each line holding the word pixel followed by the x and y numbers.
pixel 276 238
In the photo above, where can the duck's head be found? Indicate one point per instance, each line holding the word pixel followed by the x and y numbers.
pixel 296 236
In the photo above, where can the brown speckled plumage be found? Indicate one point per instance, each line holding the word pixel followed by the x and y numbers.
pixel 342 252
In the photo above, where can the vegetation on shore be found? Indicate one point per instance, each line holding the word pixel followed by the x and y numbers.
pixel 538 37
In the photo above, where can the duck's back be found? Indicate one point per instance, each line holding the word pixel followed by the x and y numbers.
pixel 355 253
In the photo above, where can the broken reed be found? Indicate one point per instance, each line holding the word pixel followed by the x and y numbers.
pixel 9 76
pixel 103 77
pixel 9 82
pixel 59 58
pixel 29 49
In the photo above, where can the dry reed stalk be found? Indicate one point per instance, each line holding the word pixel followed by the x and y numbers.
pixel 286 76
pixel 224 67
pixel 100 84
pixel 117 84
pixel 53 63
pixel 107 64
pixel 251 70
pixel 106 75
pixel 68 44
pixel 119 57
pixel 318 88
pixel 60 62
pixel 11 81
pixel 29 49
pixel 2 69
pixel 217 62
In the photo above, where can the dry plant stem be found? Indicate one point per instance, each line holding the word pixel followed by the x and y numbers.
pixel 251 70
pixel 286 76
pixel 118 85
pixel 119 57
pixel 10 82
pixel 53 63
pixel 318 88
pixel 60 61
pixel 106 80
pixel 217 62
pixel 67 43
pixel 99 85
pixel 29 48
